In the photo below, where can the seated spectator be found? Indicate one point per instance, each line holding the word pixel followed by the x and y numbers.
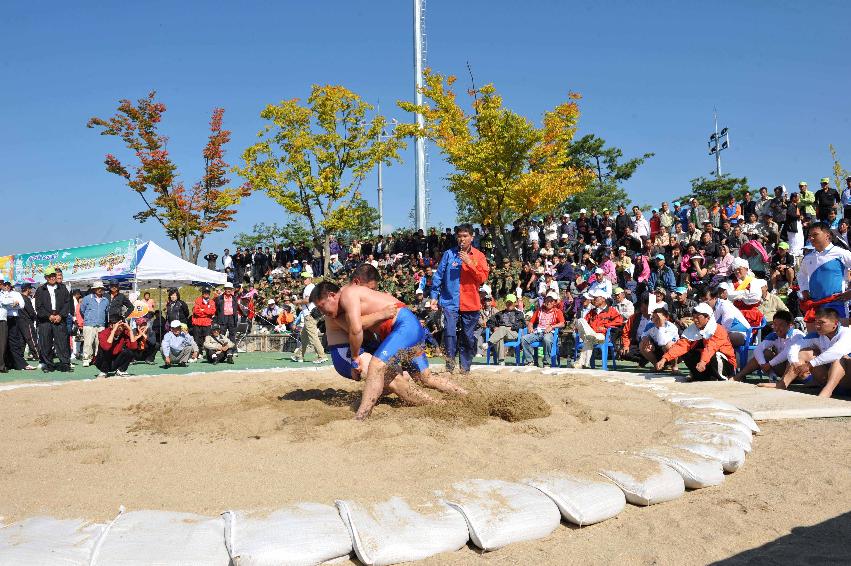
pixel 681 307
pixel 782 268
pixel 634 330
pixel 592 328
pixel 704 348
pixel 727 315
pixel 269 314
pixel 504 326
pixel 723 266
pixel 772 353
pixel 178 348
pixel 745 291
pixel 771 304
pixel 218 347
pixel 659 338
pixel 622 304
pixel 661 275
pixel 540 326
pixel 487 311
pixel 601 283
pixel 823 354
pixel 115 349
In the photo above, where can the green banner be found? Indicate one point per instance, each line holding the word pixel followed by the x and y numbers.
pixel 79 264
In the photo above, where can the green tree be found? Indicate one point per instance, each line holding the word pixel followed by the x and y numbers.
pixel 505 167
pixel 605 189
pixel 839 173
pixel 271 235
pixel 707 190
pixel 311 159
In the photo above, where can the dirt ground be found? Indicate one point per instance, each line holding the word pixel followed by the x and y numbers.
pixel 223 441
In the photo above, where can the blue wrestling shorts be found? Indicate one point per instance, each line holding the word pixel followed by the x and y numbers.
pixel 406 333
pixel 341 355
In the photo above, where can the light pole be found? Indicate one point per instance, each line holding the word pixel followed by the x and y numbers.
pixel 419 162
pixel 381 137
pixel 718 142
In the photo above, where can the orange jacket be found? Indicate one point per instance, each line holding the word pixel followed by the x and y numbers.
pixel 718 342
pixel 602 321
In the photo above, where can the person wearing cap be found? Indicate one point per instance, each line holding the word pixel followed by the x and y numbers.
pixel 660 274
pixel 226 313
pixel 806 199
pixel 177 346
pixel 659 338
pixel 7 303
pixel 593 326
pixel 623 263
pixel 823 273
pixel 704 348
pixel 745 291
pixel 698 214
pixel 462 270
pixel 217 346
pixel 488 310
pixel 826 199
pixel 782 267
pixel 52 305
pixel 203 311
pixel 310 316
pixel 681 307
pixel 622 304
pixel 94 308
pixel 13 301
pixel 545 319
pixel 269 314
pixel 601 283
pixel 27 321
pixel 505 326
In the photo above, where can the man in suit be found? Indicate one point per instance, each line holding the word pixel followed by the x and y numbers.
pixel 52 305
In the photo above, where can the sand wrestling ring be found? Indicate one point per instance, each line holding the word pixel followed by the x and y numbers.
pixel 267 468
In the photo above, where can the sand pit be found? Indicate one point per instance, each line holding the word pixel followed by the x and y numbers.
pixel 221 441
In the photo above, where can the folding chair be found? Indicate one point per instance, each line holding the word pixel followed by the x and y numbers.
pixel 554 357
pixel 604 352
pixel 750 344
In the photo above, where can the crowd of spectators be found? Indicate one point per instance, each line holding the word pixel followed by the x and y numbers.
pixel 687 282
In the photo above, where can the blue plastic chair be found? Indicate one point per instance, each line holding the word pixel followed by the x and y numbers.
pixel 554 357
pixel 604 352
pixel 514 344
pixel 750 344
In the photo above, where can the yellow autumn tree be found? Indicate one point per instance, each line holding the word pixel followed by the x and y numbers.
pixel 505 167
pixel 313 158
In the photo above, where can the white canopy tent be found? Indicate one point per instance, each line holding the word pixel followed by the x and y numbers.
pixel 155 267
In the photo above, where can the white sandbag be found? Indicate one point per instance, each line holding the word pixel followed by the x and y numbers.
pixel 697 471
pixel 643 481
pixel 698 421
pixel 303 534
pixel 703 403
pixel 392 532
pixel 163 538
pixel 42 541
pixel 704 434
pixel 738 416
pixel 581 501
pixel 499 512
pixel 731 456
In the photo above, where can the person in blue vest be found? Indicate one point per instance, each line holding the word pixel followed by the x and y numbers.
pixel 823 271
pixel 455 290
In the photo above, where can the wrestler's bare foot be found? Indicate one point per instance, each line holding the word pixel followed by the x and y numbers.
pixel 408 392
pixel 775 385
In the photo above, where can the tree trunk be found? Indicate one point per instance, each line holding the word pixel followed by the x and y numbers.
pixel 326 254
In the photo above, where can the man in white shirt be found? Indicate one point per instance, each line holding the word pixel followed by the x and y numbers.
pixel 772 353
pixel 659 337
pixel 642 227
pixel 601 283
pixel 624 305
pixel 822 354
pixel 310 331
pixel 7 303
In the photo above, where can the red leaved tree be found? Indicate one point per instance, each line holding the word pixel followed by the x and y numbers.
pixel 187 215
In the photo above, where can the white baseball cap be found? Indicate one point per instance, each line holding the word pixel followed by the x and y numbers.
pixel 228 285
pixel 553 296
pixel 97 285
pixel 739 263
pixel 270 302
pixel 703 308
pixel 175 324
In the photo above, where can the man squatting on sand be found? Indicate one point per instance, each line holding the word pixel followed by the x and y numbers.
pixel 356 309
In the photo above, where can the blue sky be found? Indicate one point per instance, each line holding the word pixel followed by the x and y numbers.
pixel 650 74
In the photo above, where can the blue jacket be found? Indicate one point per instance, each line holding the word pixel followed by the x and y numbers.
pixel 457 285
pixel 666 279
pixel 94 312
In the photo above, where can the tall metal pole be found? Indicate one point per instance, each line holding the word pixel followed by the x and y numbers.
pixel 420 186
pixel 380 202
pixel 718 145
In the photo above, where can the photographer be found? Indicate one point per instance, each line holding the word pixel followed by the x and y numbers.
pixel 116 348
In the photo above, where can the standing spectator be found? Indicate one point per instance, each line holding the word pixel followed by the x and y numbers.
pixel 203 312
pixel 239 261
pixel 27 321
pixel 227 263
pixel 115 349
pixel 806 199
pixel 7 302
pixel 622 222
pixel 541 326
pixel 504 326
pixel 777 205
pixel 462 270
pixel 763 205
pixel 748 206
pixel 177 348
pixel 642 227
pixel 592 328
pixel 310 316
pixel 211 260
pixel 699 214
pixel 826 199
pixel 792 229
pixel 846 199
pixel 94 308
pixel 119 305
pixel 175 308
pixel 52 305
pixel 732 212
pixel 227 311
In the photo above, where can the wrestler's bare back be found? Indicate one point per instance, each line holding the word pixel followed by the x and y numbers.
pixel 369 301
